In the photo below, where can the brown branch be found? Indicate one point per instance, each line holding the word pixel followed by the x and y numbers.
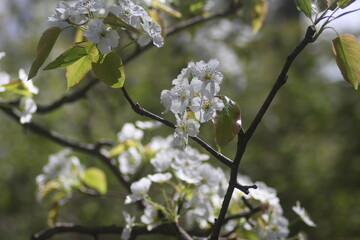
pixel 243 138
pixel 165 229
pixel 88 148
pixel 143 112
pixel 69 98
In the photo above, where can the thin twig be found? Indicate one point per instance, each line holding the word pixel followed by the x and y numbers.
pixel 143 112
pixel 91 149
pixel 166 229
pixel 69 98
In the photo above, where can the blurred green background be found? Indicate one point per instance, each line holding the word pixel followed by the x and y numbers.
pixel 307 146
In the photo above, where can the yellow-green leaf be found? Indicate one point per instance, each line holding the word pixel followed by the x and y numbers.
pixel 110 70
pixel 18 87
pixel 254 13
pixel 304 6
pixel 95 178
pixel 345 3
pixel 347 52
pixel 53 214
pixel 77 71
pixel 166 8
pixel 45 45
pixel 68 57
pixel 113 20
pixel 227 122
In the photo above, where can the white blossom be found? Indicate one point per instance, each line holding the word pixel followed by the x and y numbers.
pixel 65 15
pixel 129 161
pixel 129 131
pixel 105 38
pixel 147 124
pixel 139 190
pixel 153 32
pixel 27 83
pixel 185 128
pixel 126 233
pixel 301 212
pixel 26 109
pixel 162 160
pixel 87 6
pixel 209 74
pixel 4 79
pixel 160 177
pixel 150 217
pixel 205 107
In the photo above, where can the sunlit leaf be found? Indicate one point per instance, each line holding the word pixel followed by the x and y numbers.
pixel 347 51
pixel 110 70
pixel 227 122
pixel 45 45
pixel 18 87
pixel 49 188
pixel 68 57
pixel 53 214
pixel 254 13
pixel 113 20
pixel 345 3
pixel 260 11
pixel 77 71
pixel 166 8
pixel 95 178
pixel 118 149
pixel 304 6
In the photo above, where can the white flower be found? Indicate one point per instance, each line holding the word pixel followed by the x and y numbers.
pixel 66 14
pixel 160 177
pixel 130 13
pixel 185 75
pixel 147 124
pixel 180 95
pixel 26 108
pixel 209 74
pixel 162 160
pixel 87 6
pixel 126 233
pixel 205 107
pixel 303 214
pixel 185 128
pixel 63 168
pixel 129 131
pixel 4 79
pixel 129 161
pixel 150 217
pixel 27 83
pixel 152 32
pixel 139 189
pixel 105 38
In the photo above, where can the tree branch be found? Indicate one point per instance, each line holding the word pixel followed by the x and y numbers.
pixel 243 138
pixel 69 98
pixel 166 229
pixel 143 112
pixel 91 149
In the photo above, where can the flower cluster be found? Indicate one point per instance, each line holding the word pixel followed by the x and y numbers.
pixel 87 15
pixel 60 174
pixel 194 90
pixel 23 87
pixel 192 189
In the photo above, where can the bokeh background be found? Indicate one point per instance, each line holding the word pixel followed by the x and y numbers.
pixel 307 147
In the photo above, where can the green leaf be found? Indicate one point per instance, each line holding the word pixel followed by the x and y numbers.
pixel 320 5
pixel 260 13
pixel 77 71
pixel 304 6
pixel 227 122
pixel 347 52
pixel 166 8
pixel 45 45
pixel 53 214
pixel 95 178
pixel 117 22
pixel 345 3
pixel 110 70
pixel 68 57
